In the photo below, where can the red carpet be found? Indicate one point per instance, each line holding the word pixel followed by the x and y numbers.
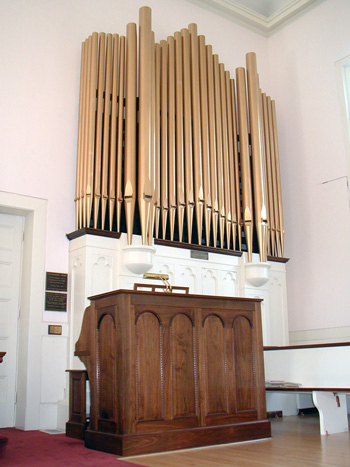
pixel 35 449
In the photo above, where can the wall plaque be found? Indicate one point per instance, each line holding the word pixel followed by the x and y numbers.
pixel 55 330
pixel 56 281
pixel 55 301
pixel 195 254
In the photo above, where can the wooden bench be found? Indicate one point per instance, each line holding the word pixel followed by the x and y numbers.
pixel 322 370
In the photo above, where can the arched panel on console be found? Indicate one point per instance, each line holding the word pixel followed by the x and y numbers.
pixel 215 366
pixel 106 368
pixel 183 367
pixel 244 364
pixel 149 367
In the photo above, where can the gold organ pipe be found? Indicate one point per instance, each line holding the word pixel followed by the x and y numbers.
pixel 277 248
pixel 164 135
pixel 196 128
pixel 205 136
pixel 157 138
pixel 188 131
pixel 278 176
pixel 171 134
pixel 244 158
pixel 236 165
pixel 219 159
pixel 85 135
pixel 86 132
pixel 225 177
pixel 259 180
pixel 106 130
pixel 91 128
pixel 130 129
pixel 180 173
pixel 272 229
pixel 99 122
pixel 231 175
pixel 119 189
pixel 153 143
pixel 80 149
pixel 212 143
pixel 113 131
pixel 145 195
pixel 264 170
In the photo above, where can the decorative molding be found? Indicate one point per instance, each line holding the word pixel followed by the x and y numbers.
pixel 261 24
pixel 96 232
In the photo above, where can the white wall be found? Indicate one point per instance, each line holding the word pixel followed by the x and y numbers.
pixel 317 221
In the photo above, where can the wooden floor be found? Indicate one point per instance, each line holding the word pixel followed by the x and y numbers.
pixel 295 442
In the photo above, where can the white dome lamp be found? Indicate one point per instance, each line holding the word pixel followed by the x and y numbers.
pixel 257 274
pixel 138 258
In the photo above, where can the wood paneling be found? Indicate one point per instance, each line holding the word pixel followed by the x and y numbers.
pixel 171 371
pixel 149 391
pixel 183 367
pixel 106 373
pixel 244 364
pixel 215 368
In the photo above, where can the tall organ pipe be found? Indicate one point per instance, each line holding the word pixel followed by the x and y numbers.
pixel 247 202
pixel 258 156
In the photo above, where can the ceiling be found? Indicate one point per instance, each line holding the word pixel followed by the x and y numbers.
pixel 264 16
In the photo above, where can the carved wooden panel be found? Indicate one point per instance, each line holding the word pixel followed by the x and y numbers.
pixel 244 364
pixel 183 367
pixel 216 395
pixel 170 371
pixel 149 368
pixel 106 354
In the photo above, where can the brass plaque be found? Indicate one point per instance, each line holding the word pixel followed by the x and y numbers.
pixel 56 281
pixel 55 330
pixel 55 301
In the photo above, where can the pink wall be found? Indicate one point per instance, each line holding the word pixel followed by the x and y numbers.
pixel 316 209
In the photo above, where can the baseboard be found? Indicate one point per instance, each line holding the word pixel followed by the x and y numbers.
pixel 320 336
pixel 147 443
pixel 275 414
pixel 307 411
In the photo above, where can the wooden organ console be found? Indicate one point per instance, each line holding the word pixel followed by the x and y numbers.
pixel 172 371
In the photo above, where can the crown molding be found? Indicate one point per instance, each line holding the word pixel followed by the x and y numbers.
pixel 264 25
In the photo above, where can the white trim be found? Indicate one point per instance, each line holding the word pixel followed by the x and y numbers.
pixel 32 299
pixel 320 336
pixel 261 24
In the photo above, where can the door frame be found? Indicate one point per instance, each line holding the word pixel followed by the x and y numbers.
pixel 32 290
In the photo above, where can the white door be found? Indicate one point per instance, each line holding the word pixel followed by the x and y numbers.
pixel 11 239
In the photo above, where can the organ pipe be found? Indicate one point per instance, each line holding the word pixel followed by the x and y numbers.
pixel 163 128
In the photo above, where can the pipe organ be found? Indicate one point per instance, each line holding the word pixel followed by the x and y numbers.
pixel 170 145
